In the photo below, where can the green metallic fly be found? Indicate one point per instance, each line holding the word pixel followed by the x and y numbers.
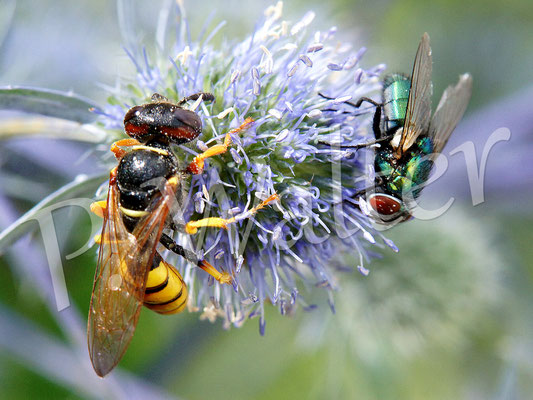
pixel 407 138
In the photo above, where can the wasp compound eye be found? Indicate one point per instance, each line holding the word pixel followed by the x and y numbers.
pixel 133 124
pixel 183 125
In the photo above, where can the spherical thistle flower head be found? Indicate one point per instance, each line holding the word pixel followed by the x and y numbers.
pixel 274 76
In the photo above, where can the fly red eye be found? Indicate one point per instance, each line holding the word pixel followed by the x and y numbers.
pixel 384 204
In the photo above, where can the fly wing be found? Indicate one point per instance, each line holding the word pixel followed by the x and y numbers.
pixel 449 112
pixel 418 112
pixel 124 261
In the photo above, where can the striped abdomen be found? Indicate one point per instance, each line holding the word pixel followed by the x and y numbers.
pixel 166 293
pixel 396 89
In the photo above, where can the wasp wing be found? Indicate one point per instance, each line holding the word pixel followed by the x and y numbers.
pixel 450 110
pixel 124 261
pixel 418 113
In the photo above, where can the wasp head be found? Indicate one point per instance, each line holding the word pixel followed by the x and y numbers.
pixel 162 121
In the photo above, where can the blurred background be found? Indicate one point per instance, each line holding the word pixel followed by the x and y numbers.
pixel 450 316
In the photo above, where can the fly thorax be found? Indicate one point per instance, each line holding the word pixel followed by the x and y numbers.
pixel 417 171
pixel 425 145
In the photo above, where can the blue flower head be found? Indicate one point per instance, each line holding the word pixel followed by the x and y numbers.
pixel 274 77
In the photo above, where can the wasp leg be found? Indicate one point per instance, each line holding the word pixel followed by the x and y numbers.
pixel 99 208
pixel 117 151
pixel 197 164
pixel 206 97
pixel 222 277
pixel 171 245
pixel 192 226
pixel 176 227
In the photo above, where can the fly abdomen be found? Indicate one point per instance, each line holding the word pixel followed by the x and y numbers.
pixel 396 89
pixel 166 293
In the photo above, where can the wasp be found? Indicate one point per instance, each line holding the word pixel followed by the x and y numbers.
pixel 407 138
pixel 143 192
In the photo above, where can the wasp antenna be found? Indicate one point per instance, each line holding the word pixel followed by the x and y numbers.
pixel 204 95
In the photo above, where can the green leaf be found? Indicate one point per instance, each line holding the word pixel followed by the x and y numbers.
pixel 47 102
pixel 7 12
pixel 21 226
pixel 25 125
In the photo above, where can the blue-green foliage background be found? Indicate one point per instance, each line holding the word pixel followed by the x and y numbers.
pixel 447 317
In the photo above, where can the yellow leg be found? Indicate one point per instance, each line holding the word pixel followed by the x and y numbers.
pixel 117 151
pixel 99 208
pixel 197 164
pixel 222 277
pixel 215 222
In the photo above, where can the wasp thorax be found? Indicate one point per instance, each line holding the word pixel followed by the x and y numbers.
pixel 141 175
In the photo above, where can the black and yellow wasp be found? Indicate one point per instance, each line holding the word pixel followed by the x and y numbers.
pixel 143 192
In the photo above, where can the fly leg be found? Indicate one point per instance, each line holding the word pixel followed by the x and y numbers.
pixel 376 121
